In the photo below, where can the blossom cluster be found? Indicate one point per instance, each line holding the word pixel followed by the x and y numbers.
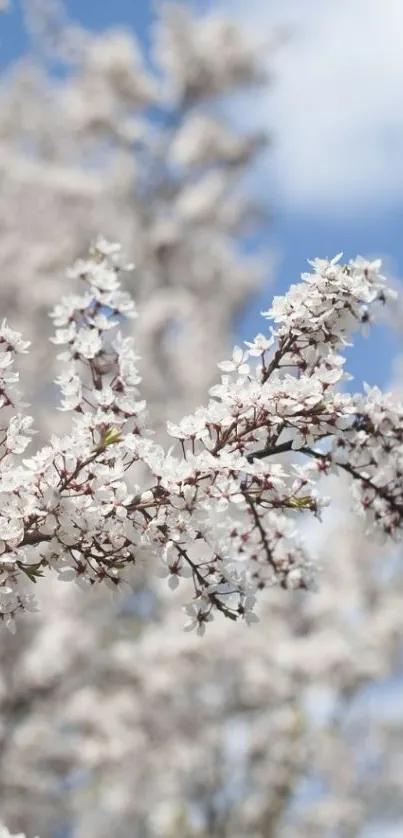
pixel 222 506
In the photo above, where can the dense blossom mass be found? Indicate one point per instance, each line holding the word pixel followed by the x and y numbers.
pixel 221 506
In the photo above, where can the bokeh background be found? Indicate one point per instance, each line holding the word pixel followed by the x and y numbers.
pixel 333 176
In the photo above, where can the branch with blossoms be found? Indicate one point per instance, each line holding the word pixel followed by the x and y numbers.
pixel 222 506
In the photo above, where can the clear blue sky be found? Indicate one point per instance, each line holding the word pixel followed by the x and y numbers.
pixel 297 233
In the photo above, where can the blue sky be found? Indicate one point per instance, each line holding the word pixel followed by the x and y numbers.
pixel 334 177
pixel 335 171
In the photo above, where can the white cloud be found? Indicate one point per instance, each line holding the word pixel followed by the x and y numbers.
pixel 336 105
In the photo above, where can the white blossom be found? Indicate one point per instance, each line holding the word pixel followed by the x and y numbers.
pixel 75 490
pixel 124 723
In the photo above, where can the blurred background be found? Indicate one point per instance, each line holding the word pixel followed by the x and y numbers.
pixel 224 144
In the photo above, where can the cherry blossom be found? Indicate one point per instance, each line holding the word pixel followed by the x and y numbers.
pixel 218 508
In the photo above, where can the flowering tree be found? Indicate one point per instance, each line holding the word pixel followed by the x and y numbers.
pixel 72 507
pixel 143 155
pixel 115 721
